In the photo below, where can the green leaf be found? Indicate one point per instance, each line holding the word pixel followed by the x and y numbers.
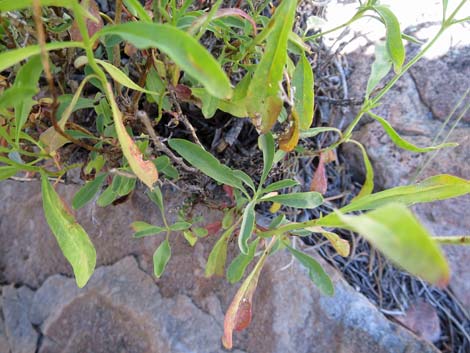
pixel 368 186
pixel 439 187
pixel 263 100
pixel 395 231
pixel 71 237
pixel 302 81
pixel 238 266
pixel 216 260
pixel 12 95
pixel 138 10
pixel 7 171
pixel 11 57
pixel 308 200
pixel 9 5
pixel 314 131
pixel 380 68
pixel 402 143
pixel 190 237
pixel 157 198
pixel 247 226
pixel 183 49
pixel 266 144
pixel 244 178
pixel 27 77
pixel 143 229
pixel 88 191
pixel 205 162
pixel 177 226
pixel 281 184
pixel 122 78
pixel 394 42
pixel 161 257
pixel 315 271
pixel 155 84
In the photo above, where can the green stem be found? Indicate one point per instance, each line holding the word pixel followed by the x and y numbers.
pixel 453 240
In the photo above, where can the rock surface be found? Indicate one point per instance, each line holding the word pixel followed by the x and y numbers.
pixel 125 309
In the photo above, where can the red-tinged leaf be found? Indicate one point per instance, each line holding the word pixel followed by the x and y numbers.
pixel 243 318
pixel 320 181
pixel 290 139
pixel 183 92
pixel 238 315
pixel 229 191
pixel 93 25
pixel 213 228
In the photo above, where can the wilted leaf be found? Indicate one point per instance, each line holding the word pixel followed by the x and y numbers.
pixel 395 231
pixel 421 318
pixel 161 257
pixel 71 237
pixel 238 315
pixel 290 139
pixel 319 181
pixel 303 84
pixel 341 246
pixel 144 170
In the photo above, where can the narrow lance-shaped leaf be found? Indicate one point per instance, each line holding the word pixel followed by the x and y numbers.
pixel 395 231
pixel 205 162
pixel 380 68
pixel 11 57
pixel 315 271
pixel 217 257
pixel 238 266
pixel 247 226
pixel 266 144
pixel 71 237
pixel 402 143
pixel 297 200
pixel 138 10
pixel 144 170
pixel 303 97
pixel 27 77
pixel 161 257
pixel 368 186
pixel 263 102
pixel 88 191
pixel 320 181
pixel 341 246
pixel 143 229
pixel 183 49
pixel 394 42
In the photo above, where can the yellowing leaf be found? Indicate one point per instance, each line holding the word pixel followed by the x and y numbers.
pixel 144 170
pixel 290 139
pixel 238 315
pixel 71 237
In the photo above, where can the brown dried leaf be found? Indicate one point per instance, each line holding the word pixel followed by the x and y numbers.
pixel 93 25
pixel 290 139
pixel 320 181
pixel 422 319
